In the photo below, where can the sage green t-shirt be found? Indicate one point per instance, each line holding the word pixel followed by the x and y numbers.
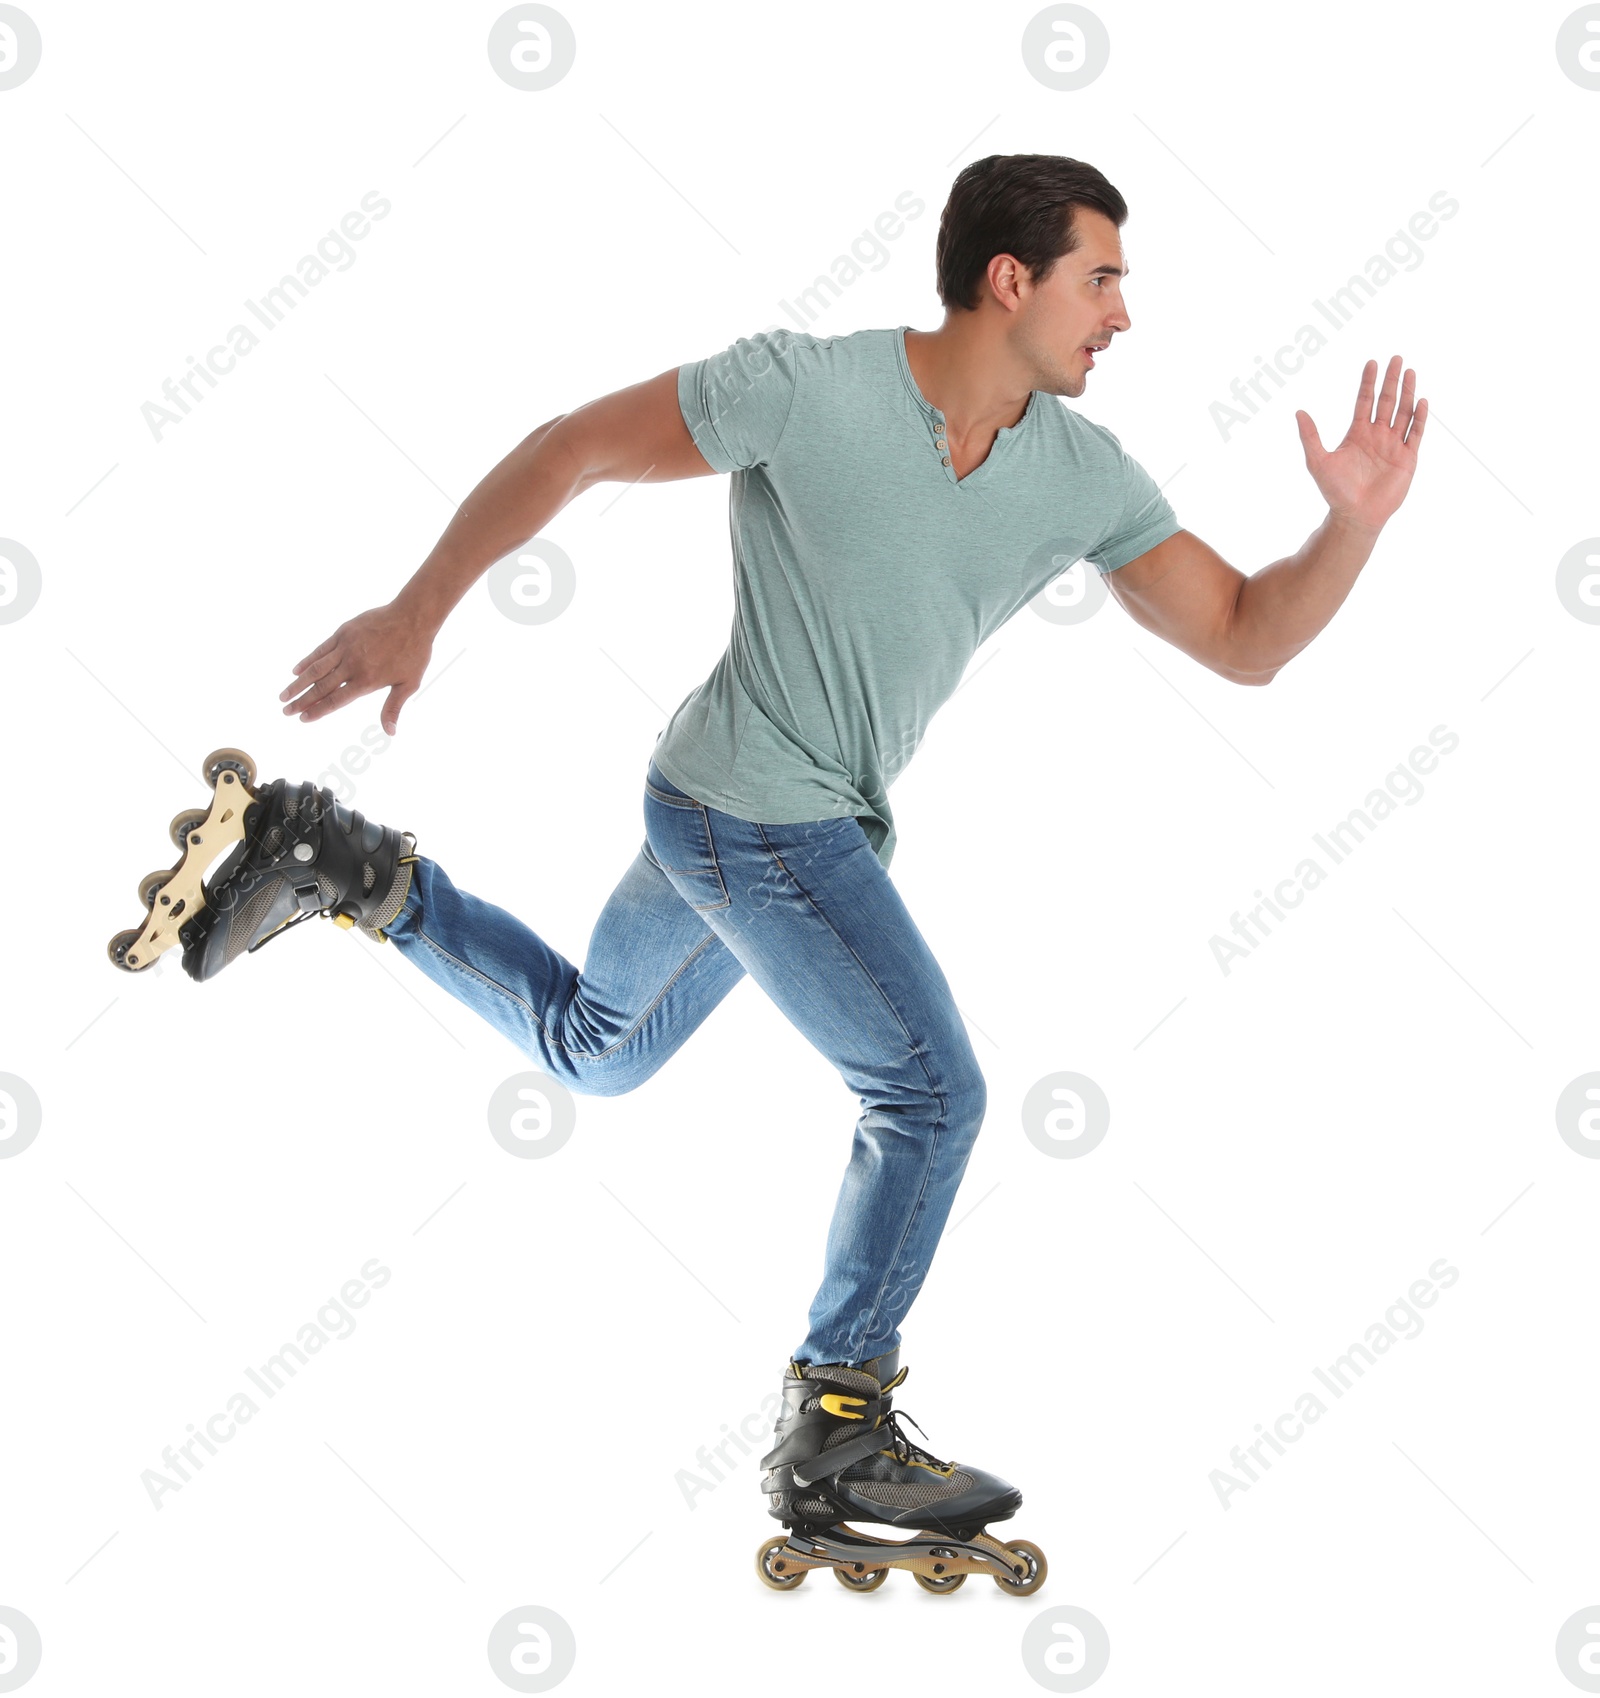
pixel 865 572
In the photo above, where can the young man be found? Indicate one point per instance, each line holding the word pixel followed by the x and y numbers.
pixel 892 494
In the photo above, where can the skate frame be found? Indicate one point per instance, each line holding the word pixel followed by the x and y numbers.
pixel 937 1555
pixel 183 895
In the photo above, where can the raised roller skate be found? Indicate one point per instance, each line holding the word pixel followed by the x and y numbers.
pixel 288 853
pixel 842 1456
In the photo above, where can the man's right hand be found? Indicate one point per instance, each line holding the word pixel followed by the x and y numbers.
pixel 384 646
pixel 635 435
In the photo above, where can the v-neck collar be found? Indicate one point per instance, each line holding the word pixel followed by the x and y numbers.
pixel 935 420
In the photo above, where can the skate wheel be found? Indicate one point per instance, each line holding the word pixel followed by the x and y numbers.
pixel 939 1582
pixel 857 1578
pixel 184 823
pixel 780 1575
pixel 118 949
pixel 220 759
pixel 1031 1559
pixel 150 885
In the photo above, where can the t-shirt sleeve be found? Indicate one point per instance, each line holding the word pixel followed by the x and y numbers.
pixel 737 403
pixel 1142 516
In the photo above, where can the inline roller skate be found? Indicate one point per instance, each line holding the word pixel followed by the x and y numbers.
pixel 842 1455
pixel 292 852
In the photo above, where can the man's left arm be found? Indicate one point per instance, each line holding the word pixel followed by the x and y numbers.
pixel 1247 628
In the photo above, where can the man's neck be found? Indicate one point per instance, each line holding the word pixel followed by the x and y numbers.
pixel 965 371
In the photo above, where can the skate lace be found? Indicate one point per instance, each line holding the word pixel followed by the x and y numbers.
pixel 289 925
pixel 906 1449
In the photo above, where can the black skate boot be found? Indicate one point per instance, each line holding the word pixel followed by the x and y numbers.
pixel 842 1454
pixel 292 851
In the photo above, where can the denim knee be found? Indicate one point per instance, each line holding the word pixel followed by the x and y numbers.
pixel 966 1098
pixel 615 1080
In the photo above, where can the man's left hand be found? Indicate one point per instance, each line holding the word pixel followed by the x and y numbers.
pixel 1366 477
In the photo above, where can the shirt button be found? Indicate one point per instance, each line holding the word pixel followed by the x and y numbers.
pixel 944 460
pixel 939 444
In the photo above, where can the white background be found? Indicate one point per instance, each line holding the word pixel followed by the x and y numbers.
pixel 1298 1139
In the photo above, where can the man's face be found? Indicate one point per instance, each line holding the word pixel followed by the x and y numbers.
pixel 1079 303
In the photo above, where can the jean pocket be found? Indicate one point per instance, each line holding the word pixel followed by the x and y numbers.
pixel 679 836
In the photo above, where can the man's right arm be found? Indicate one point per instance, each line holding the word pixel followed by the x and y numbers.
pixel 635 435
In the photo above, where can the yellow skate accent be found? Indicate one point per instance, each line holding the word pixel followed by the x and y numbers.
pixel 834 1403
pixel 911 1462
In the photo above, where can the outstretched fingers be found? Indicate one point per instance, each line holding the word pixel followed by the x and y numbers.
pixel 1369 378
pixel 1408 392
pixel 1418 419
pixel 318 652
pixel 1386 395
pixel 308 691
pixel 313 670
pixel 337 695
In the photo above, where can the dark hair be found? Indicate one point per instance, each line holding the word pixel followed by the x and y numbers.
pixel 1019 204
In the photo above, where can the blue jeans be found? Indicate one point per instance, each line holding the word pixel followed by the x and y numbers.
pixel 809 912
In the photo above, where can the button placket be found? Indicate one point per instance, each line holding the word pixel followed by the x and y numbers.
pixel 940 440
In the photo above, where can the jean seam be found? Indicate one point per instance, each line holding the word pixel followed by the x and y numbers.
pixel 581 1055
pixel 673 801
pixel 711 845
pixel 916 1050
pixel 716 867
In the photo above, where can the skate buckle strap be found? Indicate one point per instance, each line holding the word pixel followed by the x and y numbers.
pixel 834 1403
pixel 310 899
pixel 839 1457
